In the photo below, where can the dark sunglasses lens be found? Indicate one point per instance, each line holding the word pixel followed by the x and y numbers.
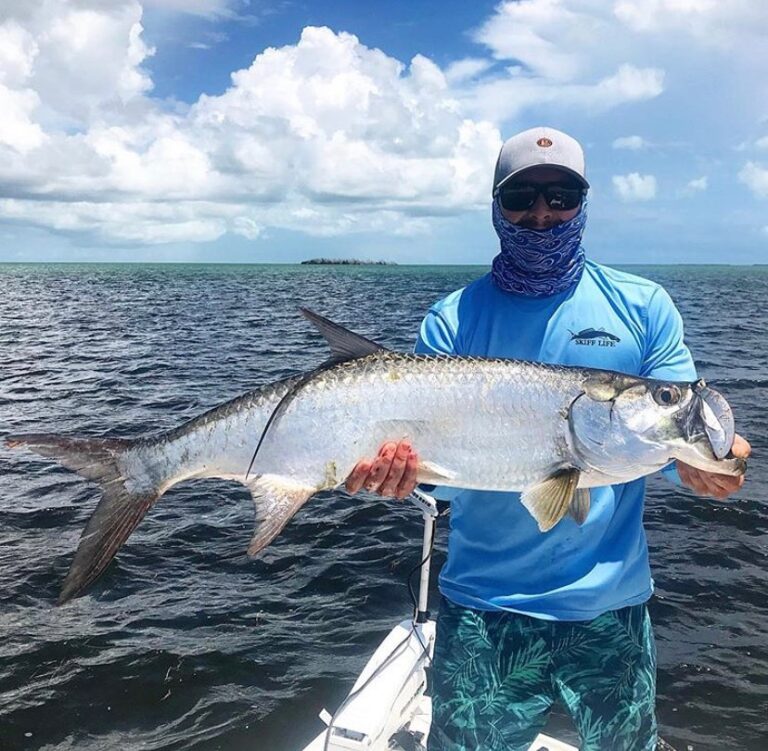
pixel 518 199
pixel 561 198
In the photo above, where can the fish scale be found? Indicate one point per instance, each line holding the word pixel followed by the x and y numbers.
pixel 491 424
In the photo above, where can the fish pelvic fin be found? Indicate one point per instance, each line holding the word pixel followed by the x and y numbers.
pixel 548 501
pixel 579 508
pixel 277 500
pixel 118 512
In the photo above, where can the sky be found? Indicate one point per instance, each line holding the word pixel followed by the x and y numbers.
pixel 252 131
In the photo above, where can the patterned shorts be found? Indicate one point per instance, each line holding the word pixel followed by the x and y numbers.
pixel 496 676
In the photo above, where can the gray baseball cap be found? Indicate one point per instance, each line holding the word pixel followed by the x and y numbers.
pixel 539 147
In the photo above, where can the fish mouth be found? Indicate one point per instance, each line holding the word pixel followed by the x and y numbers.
pixel 707 427
pixel 710 417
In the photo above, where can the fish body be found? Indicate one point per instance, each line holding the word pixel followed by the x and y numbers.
pixel 550 432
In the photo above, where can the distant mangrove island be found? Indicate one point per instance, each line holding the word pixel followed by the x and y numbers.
pixel 345 262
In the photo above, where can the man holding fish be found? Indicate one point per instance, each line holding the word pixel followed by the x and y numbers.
pixel 527 617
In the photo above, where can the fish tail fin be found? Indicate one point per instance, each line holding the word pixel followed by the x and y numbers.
pixel 121 508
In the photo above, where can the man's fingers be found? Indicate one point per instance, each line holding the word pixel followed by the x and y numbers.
pixel 396 469
pixel 409 482
pixel 358 476
pixel 380 467
pixel 741 448
pixel 693 479
pixel 709 483
pixel 391 473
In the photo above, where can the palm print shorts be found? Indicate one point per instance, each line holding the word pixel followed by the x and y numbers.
pixel 496 676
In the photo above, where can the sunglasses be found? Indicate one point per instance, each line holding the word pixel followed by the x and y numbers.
pixel 559 197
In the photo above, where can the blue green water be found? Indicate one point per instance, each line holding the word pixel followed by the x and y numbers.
pixel 185 642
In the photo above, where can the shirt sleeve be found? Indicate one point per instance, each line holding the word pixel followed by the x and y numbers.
pixel 667 357
pixel 436 337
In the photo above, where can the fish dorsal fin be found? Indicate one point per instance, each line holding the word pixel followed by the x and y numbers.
pixel 344 344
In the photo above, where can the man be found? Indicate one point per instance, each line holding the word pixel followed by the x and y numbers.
pixel 529 618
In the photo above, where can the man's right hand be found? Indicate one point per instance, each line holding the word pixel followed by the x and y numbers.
pixel 391 473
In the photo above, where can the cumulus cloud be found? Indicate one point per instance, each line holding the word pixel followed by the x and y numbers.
pixel 634 143
pixel 325 136
pixel 557 52
pixel 711 22
pixel 755 177
pixel 635 187
pixel 762 143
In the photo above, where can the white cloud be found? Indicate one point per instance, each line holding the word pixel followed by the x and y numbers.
pixel 325 136
pixel 466 69
pixel 560 51
pixel 628 84
pixel 587 52
pixel 205 8
pixel 762 143
pixel 634 143
pixel 635 187
pixel 711 22
pixel 17 128
pixel 755 177
pixel 542 35
pixel 81 59
pixel 696 185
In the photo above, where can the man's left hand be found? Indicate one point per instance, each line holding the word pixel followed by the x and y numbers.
pixel 711 484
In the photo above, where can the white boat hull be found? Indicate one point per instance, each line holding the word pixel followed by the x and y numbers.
pixel 388 704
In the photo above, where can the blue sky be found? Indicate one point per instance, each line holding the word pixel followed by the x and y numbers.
pixel 236 131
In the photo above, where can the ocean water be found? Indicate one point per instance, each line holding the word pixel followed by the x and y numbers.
pixel 185 643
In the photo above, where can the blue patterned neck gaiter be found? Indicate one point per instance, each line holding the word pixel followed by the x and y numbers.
pixel 538 263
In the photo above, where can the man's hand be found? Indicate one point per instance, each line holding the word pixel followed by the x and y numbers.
pixel 391 473
pixel 711 484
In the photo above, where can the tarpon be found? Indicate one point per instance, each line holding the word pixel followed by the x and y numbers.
pixel 551 432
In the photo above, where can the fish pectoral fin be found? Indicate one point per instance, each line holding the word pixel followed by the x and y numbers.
pixel 277 500
pixel 434 474
pixel 548 501
pixel 579 507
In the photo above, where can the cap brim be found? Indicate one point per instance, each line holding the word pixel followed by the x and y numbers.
pixel 572 173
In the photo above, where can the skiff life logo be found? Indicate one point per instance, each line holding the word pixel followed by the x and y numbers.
pixel 594 338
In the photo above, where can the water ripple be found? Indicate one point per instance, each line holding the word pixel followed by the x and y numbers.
pixel 188 644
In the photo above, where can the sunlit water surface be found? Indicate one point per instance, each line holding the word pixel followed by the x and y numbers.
pixel 185 643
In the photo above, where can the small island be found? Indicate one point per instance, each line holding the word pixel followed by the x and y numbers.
pixel 345 262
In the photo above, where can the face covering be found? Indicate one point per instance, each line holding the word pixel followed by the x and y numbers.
pixel 538 263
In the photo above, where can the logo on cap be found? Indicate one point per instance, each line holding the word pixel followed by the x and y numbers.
pixel 545 143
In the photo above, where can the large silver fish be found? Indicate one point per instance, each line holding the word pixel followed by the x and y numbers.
pixel 549 431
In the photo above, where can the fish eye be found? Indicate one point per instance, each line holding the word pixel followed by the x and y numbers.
pixel 667 396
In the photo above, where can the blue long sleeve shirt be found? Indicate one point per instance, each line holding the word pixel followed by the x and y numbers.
pixel 497 557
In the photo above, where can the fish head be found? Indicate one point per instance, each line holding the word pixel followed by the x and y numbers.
pixel 625 426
